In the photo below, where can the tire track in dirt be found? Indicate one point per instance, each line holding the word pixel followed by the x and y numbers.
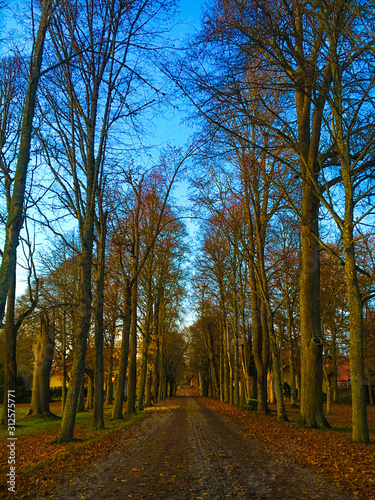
pixel 233 465
pixel 185 450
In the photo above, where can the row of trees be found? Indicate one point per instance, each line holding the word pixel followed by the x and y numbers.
pixel 286 93
pixel 70 125
pixel 159 296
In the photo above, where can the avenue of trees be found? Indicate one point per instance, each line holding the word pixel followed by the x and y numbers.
pixel 282 178
pixel 70 157
pixel 286 93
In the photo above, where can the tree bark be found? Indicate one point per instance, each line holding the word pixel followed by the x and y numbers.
pixel 132 388
pixel 81 396
pixel 148 389
pixel 90 389
pixel 78 367
pixel 109 391
pixel 10 372
pixel 292 366
pixel 311 339
pixel 98 413
pixel 123 364
pixel 145 346
pixel 43 354
pixel 359 405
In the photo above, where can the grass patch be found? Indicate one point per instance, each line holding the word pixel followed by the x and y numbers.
pixel 30 425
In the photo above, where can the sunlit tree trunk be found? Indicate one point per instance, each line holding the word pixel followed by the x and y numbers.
pixel 132 387
pixel 43 355
pixel 98 413
pixel 145 346
pixel 124 355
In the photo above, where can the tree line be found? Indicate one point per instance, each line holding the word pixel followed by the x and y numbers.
pixel 70 156
pixel 285 95
pixel 282 93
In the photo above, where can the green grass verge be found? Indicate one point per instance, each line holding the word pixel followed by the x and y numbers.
pixel 28 426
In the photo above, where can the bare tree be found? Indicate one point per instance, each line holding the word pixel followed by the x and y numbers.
pixel 15 216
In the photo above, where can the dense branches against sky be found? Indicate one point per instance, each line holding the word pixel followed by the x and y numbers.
pixel 110 110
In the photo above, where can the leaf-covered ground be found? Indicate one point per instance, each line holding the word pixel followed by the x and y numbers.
pixel 41 463
pixel 348 465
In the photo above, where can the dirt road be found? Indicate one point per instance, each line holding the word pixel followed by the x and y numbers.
pixel 187 449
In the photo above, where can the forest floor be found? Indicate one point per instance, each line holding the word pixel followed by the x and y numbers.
pixel 198 448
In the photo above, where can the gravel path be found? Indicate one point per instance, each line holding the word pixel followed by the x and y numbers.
pixel 189 450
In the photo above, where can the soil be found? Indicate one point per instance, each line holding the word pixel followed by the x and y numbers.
pixel 192 448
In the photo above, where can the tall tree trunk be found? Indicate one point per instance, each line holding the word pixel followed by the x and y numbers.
pixel 63 360
pixel 229 361
pixel 309 118
pixel 123 364
pixel 245 363
pixel 292 366
pixel 132 388
pixel 226 379
pixel 268 328
pixel 81 396
pixel 145 346
pixel 15 215
pixel 132 379
pixel 236 365
pixel 260 337
pixel 148 389
pixel 43 354
pixel 311 339
pixel 334 368
pixel 98 413
pixel 78 367
pixel 281 414
pixel 109 391
pixel 156 370
pixel 357 377
pixel 213 377
pixel 221 365
pixel 90 389
pixel 10 373
pixel 258 352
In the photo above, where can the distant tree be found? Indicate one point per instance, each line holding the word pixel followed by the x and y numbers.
pixel 43 350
